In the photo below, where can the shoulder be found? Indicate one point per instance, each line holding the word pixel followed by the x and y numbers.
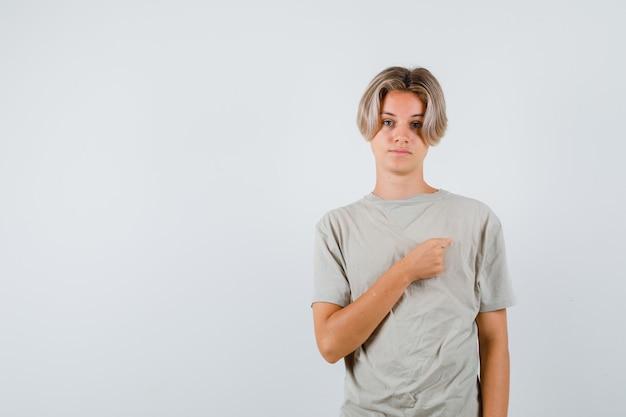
pixel 453 198
pixel 344 215
pixel 468 206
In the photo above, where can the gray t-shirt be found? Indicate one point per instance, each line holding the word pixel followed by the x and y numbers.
pixel 422 360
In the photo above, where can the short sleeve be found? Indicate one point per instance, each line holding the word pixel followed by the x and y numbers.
pixel 496 289
pixel 329 277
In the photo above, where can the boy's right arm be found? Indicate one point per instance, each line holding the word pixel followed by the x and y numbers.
pixel 339 331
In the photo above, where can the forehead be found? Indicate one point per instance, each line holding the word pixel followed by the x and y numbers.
pixel 402 102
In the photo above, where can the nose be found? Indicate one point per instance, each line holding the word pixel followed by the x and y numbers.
pixel 401 134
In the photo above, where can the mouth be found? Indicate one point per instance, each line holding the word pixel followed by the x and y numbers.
pixel 400 152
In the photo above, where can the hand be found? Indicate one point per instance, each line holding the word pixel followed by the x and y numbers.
pixel 426 260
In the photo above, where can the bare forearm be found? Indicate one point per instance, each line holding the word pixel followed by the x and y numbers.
pixel 340 331
pixel 349 327
pixel 494 379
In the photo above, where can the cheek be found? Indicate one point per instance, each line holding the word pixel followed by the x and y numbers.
pixel 425 148
pixel 376 143
pixel 420 140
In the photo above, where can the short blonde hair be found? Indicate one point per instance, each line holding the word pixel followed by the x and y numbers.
pixel 416 80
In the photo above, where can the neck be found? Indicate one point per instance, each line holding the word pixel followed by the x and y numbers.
pixel 397 187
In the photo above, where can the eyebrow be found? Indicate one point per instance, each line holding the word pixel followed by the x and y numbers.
pixel 391 114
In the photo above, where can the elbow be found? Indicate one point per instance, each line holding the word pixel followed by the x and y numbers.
pixel 330 358
pixel 328 352
pixel 330 334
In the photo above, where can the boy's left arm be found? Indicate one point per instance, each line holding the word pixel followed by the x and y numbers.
pixel 494 362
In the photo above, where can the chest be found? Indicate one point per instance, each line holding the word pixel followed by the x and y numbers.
pixel 376 243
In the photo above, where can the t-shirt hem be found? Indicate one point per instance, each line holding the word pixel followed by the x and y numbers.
pixel 497 306
pixel 322 300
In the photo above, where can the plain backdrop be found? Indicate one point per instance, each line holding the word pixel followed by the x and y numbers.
pixel 163 165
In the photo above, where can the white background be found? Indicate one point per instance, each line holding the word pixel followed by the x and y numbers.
pixel 163 164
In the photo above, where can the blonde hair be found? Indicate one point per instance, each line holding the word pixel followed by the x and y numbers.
pixel 417 80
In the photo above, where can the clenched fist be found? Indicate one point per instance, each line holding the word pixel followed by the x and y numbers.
pixel 426 260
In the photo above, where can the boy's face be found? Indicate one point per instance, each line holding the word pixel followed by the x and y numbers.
pixel 398 146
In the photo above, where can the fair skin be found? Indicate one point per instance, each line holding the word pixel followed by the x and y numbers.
pixel 399 152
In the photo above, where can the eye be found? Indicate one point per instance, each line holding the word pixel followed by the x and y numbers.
pixel 416 125
pixel 387 122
